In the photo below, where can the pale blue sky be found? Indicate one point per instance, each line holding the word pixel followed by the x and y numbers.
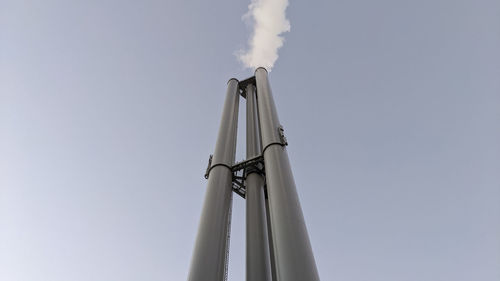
pixel 109 110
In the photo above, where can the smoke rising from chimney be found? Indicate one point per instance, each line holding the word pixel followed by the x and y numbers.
pixel 269 23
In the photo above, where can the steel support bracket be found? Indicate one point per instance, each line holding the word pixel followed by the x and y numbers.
pixel 240 171
pixel 239 185
pixel 256 162
pixel 281 133
pixel 209 165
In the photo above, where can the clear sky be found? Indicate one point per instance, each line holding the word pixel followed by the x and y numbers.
pixel 110 109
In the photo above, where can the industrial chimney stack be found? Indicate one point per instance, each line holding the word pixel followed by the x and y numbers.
pixel 277 245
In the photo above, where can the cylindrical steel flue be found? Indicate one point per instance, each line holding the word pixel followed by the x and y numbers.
pixel 258 260
pixel 294 260
pixel 209 255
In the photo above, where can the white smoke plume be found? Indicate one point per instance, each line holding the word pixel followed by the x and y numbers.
pixel 269 23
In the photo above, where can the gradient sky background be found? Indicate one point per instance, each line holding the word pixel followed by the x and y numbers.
pixel 109 110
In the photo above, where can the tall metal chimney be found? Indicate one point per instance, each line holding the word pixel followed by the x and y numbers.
pixel 210 251
pixel 278 247
pixel 258 257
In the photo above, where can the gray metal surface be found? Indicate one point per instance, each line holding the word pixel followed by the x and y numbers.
pixel 254 147
pixel 270 237
pixel 293 256
pixel 257 243
pixel 210 250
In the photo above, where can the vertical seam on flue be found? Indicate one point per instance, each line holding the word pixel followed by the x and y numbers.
pixel 228 237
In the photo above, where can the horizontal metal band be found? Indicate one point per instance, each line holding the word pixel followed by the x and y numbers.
pixel 278 143
pixel 215 165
